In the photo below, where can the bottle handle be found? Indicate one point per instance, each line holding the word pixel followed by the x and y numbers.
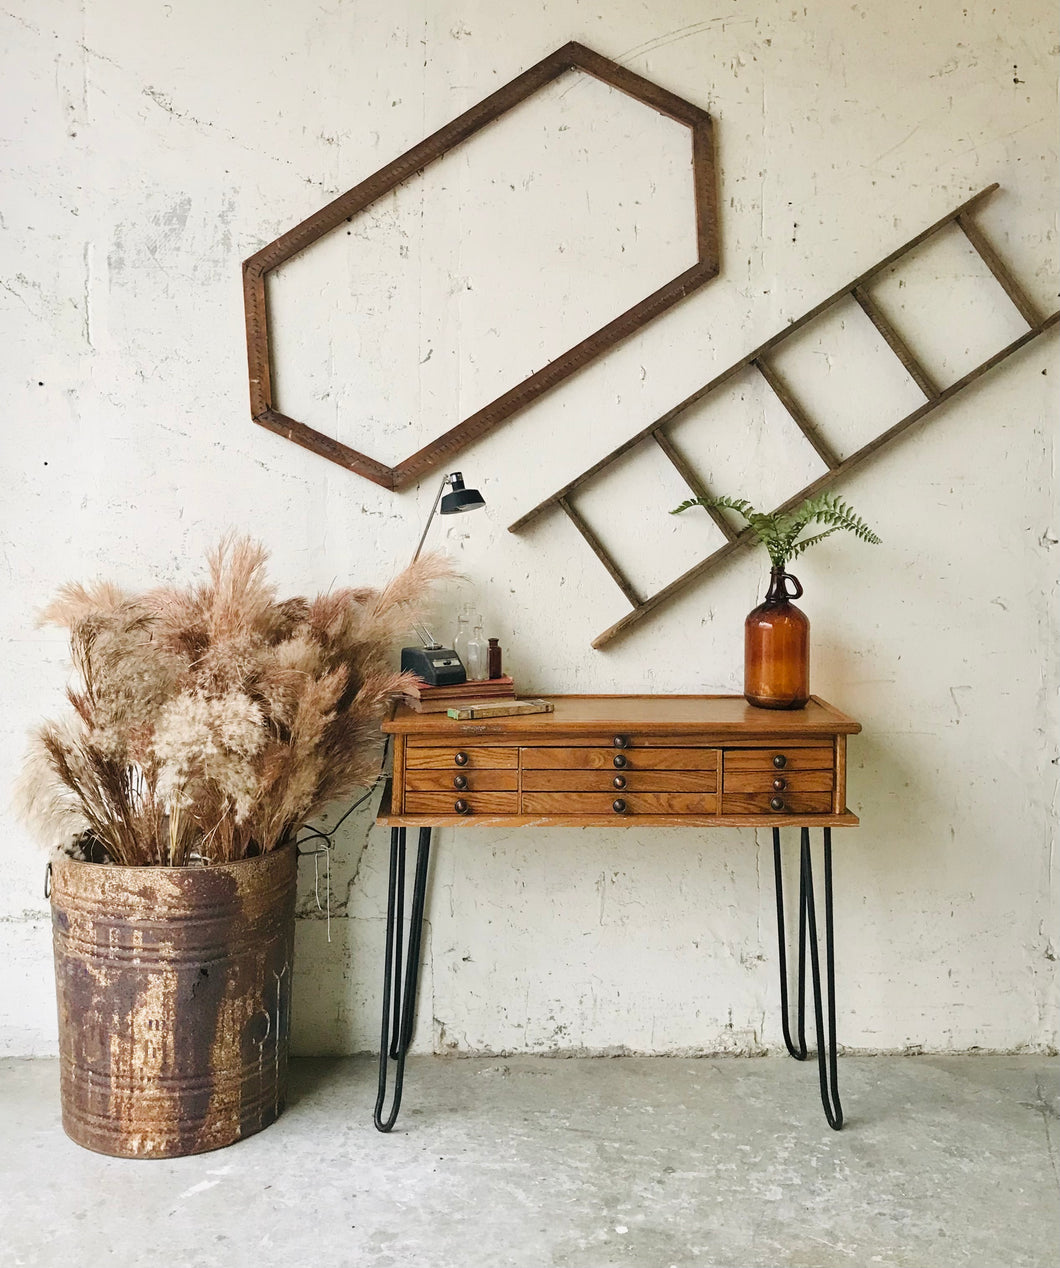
pixel 785 577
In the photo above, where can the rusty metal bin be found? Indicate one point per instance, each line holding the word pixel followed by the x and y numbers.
pixel 173 988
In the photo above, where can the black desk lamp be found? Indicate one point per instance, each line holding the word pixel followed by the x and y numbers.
pixel 440 666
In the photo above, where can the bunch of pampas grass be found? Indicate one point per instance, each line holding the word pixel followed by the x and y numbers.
pixel 210 722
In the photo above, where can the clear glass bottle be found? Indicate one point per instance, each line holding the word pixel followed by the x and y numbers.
pixel 476 654
pixel 463 634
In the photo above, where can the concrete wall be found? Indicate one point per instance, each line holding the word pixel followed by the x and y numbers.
pixel 147 150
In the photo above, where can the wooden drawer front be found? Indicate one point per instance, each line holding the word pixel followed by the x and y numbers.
pixel 590 803
pixel 778 781
pixel 620 759
pixel 457 782
pixel 445 803
pixel 779 759
pixel 474 757
pixel 632 781
pixel 797 803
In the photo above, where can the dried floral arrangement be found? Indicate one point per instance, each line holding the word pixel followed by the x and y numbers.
pixel 211 722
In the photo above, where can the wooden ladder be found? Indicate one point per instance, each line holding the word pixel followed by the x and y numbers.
pixel 759 360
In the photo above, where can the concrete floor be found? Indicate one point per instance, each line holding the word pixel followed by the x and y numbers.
pixel 651 1162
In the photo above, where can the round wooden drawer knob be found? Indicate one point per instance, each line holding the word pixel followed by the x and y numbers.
pixel 621 741
pixel 780 761
pixel 776 803
pixel 618 806
pixel 619 781
pixel 461 807
pixel 460 759
pixel 780 784
pixel 620 760
pixel 460 781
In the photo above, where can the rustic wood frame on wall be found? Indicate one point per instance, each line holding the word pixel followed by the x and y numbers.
pixel 571 56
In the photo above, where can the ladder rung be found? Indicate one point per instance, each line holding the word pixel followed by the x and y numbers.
pixel 699 489
pixel 780 390
pixel 596 546
pixel 993 262
pixel 896 343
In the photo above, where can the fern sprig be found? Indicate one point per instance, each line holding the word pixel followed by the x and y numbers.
pixel 780 531
pixel 799 548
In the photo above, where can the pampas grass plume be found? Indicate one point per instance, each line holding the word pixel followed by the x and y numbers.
pixel 214 720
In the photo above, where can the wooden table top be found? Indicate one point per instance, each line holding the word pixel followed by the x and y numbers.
pixel 720 715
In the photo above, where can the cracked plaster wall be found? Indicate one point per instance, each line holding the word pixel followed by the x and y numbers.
pixel 145 154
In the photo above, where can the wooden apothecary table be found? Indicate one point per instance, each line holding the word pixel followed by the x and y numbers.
pixel 607 761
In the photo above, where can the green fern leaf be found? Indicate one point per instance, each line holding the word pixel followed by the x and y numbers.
pixel 780 532
pixel 800 547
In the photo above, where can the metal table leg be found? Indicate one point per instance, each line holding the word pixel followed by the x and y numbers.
pixel 827 1065
pixel 400 979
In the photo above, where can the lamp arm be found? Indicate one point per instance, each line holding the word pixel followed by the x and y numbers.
pixel 426 527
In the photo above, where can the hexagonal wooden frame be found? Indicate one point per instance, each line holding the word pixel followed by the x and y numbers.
pixel 571 56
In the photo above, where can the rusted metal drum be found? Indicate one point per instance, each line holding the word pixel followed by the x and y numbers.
pixel 174 989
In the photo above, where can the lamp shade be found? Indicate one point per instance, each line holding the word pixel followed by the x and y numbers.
pixel 460 499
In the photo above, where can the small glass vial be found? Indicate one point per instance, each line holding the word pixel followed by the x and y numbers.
pixel 493 659
pixel 476 654
pixel 463 635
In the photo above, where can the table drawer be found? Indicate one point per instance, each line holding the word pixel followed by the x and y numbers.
pixel 458 781
pixel 456 803
pixel 779 759
pixel 628 803
pixel 778 781
pixel 767 803
pixel 454 757
pixel 621 759
pixel 618 782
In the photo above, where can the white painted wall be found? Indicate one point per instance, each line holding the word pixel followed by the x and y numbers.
pixel 147 150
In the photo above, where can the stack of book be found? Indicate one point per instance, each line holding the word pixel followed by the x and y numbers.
pixel 427 699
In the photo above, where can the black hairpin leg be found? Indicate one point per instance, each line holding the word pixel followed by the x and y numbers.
pixel 827 1064
pixel 400 978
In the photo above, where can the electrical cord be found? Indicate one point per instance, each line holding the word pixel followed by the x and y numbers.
pixel 328 835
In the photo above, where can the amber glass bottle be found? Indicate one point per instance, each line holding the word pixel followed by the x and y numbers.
pixel 777 648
